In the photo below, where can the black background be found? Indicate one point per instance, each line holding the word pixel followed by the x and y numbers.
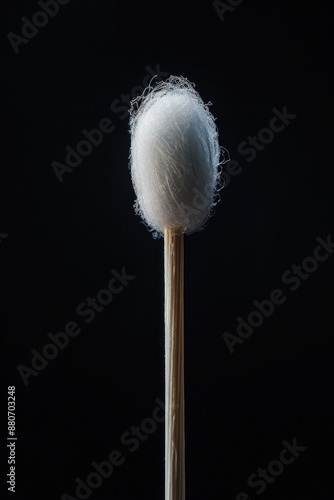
pixel 65 237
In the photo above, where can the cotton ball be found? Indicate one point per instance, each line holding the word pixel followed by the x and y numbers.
pixel 174 156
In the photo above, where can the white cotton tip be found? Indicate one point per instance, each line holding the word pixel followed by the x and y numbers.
pixel 175 156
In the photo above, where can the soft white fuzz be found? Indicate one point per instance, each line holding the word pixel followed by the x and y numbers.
pixel 175 156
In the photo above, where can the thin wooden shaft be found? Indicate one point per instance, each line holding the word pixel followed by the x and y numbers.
pixel 174 348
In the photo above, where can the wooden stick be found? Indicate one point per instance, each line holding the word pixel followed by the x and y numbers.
pixel 174 347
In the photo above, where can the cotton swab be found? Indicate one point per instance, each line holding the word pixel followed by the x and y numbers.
pixel 175 166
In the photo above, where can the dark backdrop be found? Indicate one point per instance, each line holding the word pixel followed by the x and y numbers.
pixel 64 229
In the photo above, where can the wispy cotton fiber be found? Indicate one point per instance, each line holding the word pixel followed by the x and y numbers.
pixel 175 156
